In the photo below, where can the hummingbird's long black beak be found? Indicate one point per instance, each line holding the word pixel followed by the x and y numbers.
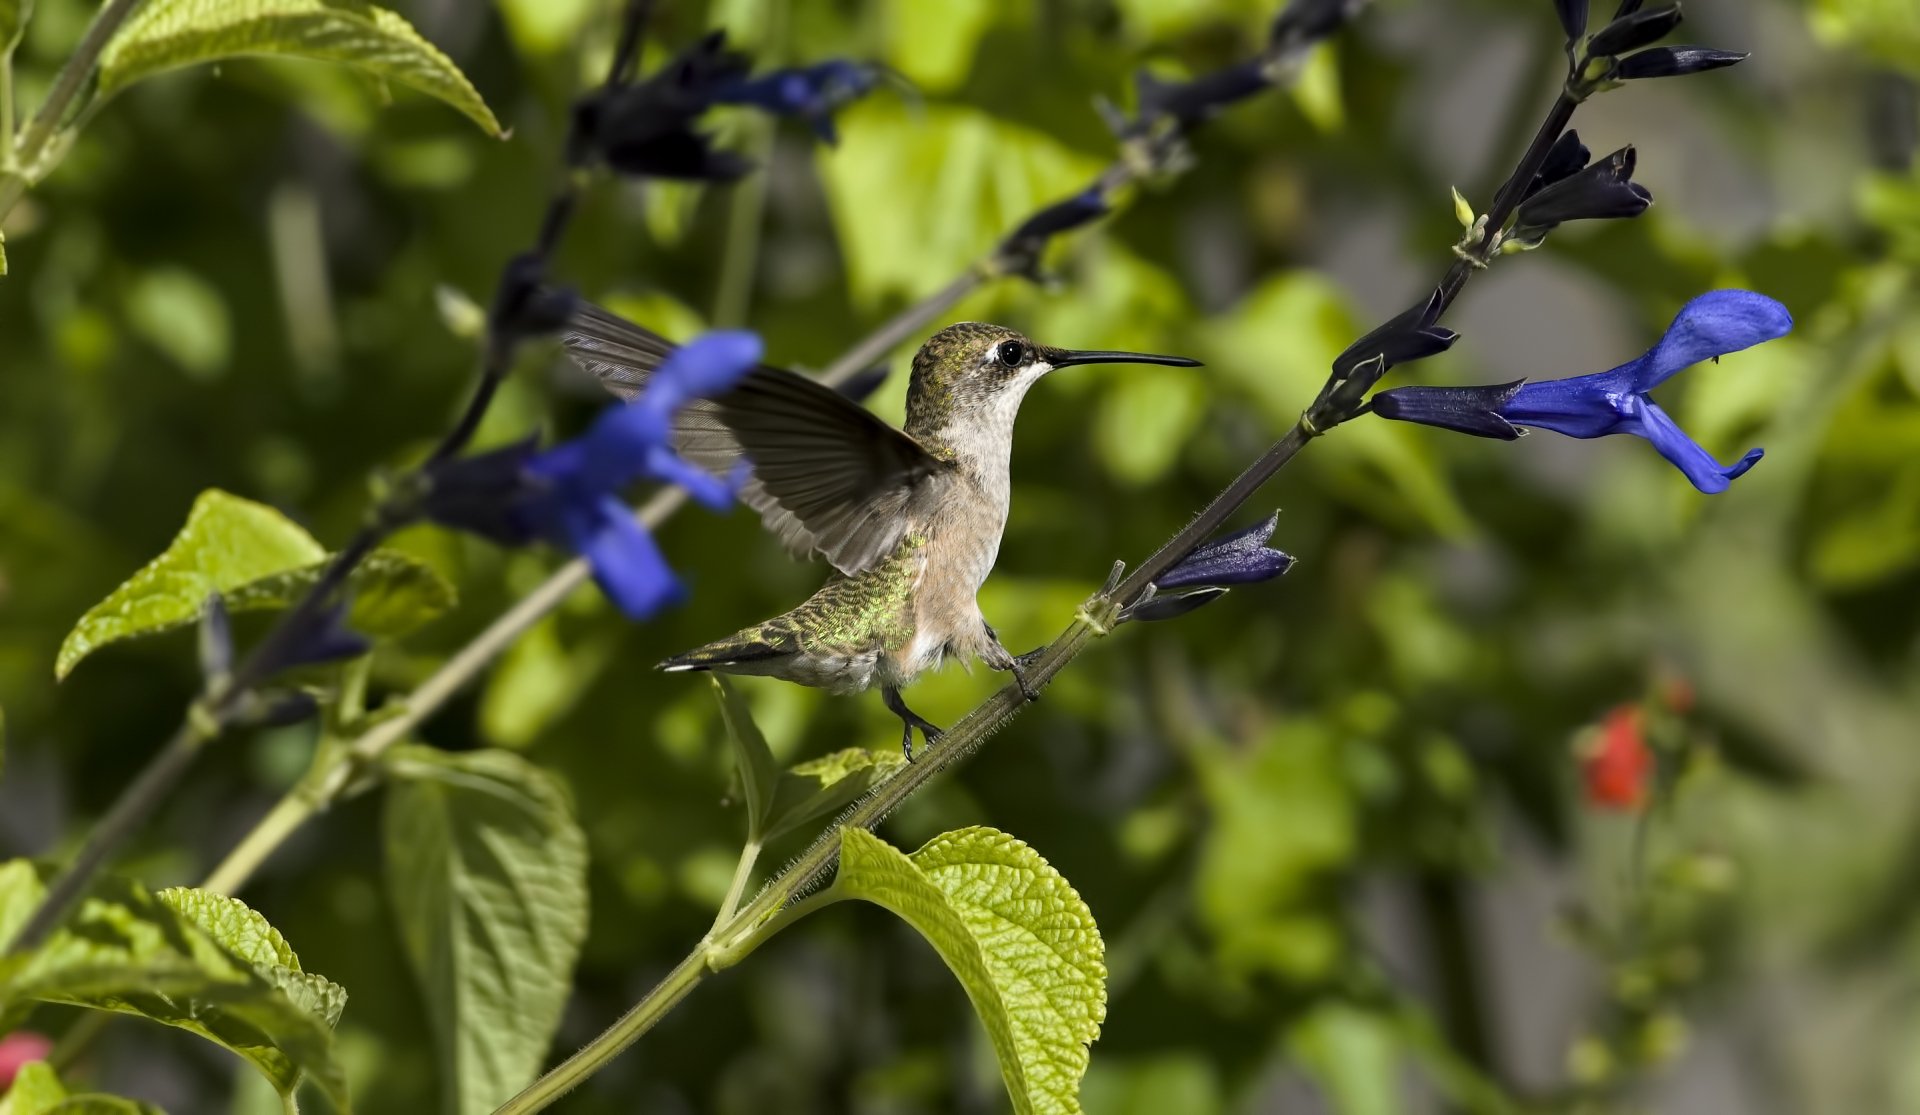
pixel 1068 357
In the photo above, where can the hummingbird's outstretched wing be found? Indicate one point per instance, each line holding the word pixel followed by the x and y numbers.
pixel 827 476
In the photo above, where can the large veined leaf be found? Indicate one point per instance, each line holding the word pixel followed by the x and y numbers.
pixel 227 542
pixel 487 872
pixel 1022 943
pixel 188 959
pixel 168 34
pixel 257 559
pixel 37 1091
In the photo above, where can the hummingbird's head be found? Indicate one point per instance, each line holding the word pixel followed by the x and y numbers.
pixel 974 375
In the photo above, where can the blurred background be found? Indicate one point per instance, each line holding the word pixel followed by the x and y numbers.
pixel 1342 832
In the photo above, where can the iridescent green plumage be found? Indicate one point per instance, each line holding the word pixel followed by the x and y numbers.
pixel 910 518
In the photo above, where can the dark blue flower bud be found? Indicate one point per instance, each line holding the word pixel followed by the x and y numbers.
pixel 1674 61
pixel 1634 30
pixel 1401 340
pixel 524 305
pixel 1190 102
pixel 646 128
pixel 1304 21
pixel 1469 410
pixel 1240 558
pixel 312 637
pixel 1626 8
pixel 1172 605
pixel 1062 216
pixel 1604 190
pixel 485 493
pixel 811 93
pixel 1573 17
pixel 1567 156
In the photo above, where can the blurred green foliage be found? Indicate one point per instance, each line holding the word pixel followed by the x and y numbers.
pixel 1332 828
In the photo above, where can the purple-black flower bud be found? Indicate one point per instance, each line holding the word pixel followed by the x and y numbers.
pixel 1567 157
pixel 1573 17
pixel 1633 31
pixel 1240 558
pixel 1601 191
pixel 1190 102
pixel 1401 340
pixel 1469 410
pixel 1674 61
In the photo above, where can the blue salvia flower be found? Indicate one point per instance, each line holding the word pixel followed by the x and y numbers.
pixel 1616 401
pixel 570 495
pixel 811 93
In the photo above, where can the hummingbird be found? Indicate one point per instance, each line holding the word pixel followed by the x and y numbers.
pixel 910 519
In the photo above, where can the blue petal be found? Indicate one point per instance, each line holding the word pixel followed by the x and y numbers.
pixel 626 563
pixel 1240 558
pixel 1707 474
pixel 1714 324
pixel 1585 406
pixel 707 490
pixel 703 367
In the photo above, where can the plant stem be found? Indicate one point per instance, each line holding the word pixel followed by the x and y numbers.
pixel 569 1074
pixel 742 874
pixel 66 85
pixel 135 804
pixel 287 815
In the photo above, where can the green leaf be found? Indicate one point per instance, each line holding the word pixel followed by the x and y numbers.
pixel 540 679
pixel 186 959
pixel 185 317
pixel 1022 943
pixel 823 786
pixel 37 1091
pixel 227 542
pixel 487 870
pixel 1353 1055
pixel 758 772
pixel 168 34
pixel 393 593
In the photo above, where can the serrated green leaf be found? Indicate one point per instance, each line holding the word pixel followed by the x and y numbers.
pixel 1022 943
pixel 227 542
pixel 37 1091
pixel 393 593
pixel 246 934
pixel 820 787
pixel 131 952
pixel 168 34
pixel 487 872
pixel 758 773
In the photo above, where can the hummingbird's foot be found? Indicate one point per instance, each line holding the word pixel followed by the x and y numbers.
pixel 1021 662
pixel 909 720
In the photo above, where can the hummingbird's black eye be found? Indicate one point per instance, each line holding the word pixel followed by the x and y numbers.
pixel 1012 353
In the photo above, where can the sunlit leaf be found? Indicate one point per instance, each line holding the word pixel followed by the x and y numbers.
pixel 161 958
pixel 393 593
pixel 1021 942
pixel 227 542
pixel 37 1091
pixel 818 788
pixel 538 680
pixel 168 34
pixel 486 869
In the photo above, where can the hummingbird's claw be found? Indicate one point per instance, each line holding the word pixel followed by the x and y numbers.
pixel 909 720
pixel 1019 668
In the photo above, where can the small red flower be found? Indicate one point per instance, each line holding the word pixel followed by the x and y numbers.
pixel 17 1049
pixel 1618 766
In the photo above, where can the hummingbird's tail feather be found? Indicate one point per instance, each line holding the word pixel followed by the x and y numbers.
pixel 728 656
